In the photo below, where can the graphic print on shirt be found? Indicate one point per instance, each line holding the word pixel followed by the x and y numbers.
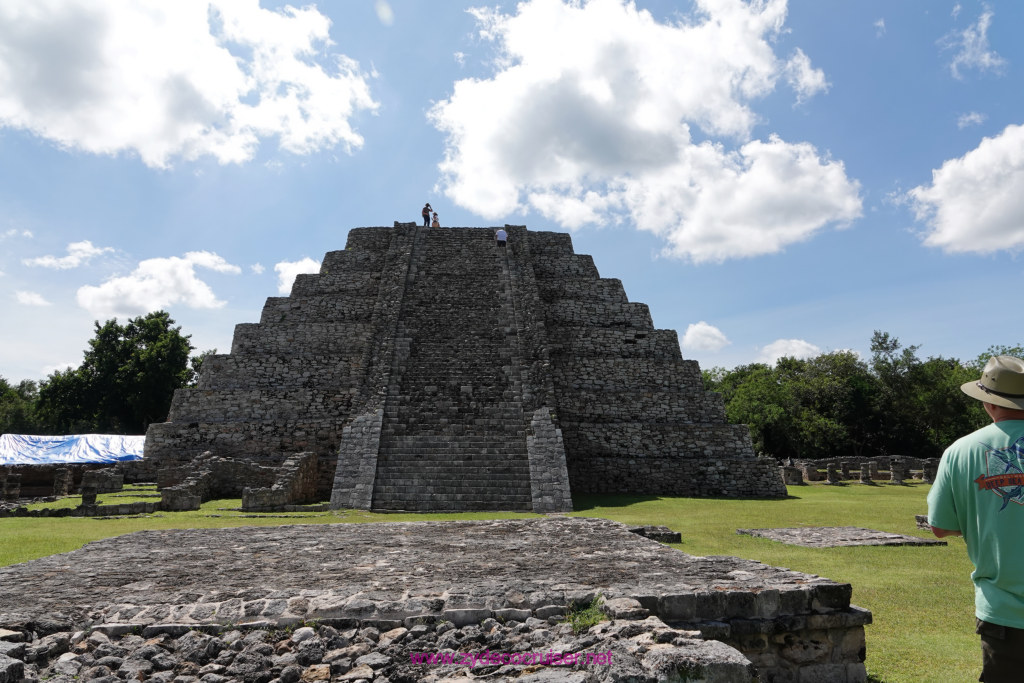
pixel 1005 473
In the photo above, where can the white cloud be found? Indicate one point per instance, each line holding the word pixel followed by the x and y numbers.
pixel 970 119
pixel 975 203
pixel 176 79
pixel 287 270
pixel 712 205
pixel 787 348
pixel 972 48
pixel 78 254
pixel 384 12
pixel 31 299
pixel 704 337
pixel 606 99
pixel 50 369
pixel 880 28
pixel 14 232
pixel 154 284
pixel 803 78
pixel 257 268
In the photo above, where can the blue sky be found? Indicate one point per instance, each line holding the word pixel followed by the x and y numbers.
pixel 769 177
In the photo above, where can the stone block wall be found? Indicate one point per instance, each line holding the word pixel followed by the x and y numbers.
pixel 63 482
pixel 209 476
pixel 10 486
pixel 295 484
pixel 634 414
pixel 290 381
pixel 107 480
pixel 432 369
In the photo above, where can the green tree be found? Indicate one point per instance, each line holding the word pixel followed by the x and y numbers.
pixel 126 380
pixel 838 404
pixel 17 407
pixel 754 396
pixel 836 414
pixel 944 413
pixel 921 407
pixel 997 350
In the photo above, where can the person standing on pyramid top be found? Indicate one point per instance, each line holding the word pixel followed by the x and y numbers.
pixel 435 223
pixel 426 215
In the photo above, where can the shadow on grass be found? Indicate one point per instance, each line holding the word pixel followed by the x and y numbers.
pixel 590 501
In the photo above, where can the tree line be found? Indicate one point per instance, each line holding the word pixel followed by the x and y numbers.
pixel 834 404
pixel 125 382
pixel 838 404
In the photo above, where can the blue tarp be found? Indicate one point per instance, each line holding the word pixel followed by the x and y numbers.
pixel 79 449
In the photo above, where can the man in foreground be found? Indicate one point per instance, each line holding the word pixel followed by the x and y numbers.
pixel 979 494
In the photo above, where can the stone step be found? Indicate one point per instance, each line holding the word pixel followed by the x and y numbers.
pixel 300 339
pixel 597 314
pixel 441 480
pixel 421 444
pixel 258 405
pixel 276 372
pixel 654 406
pixel 452 460
pixel 432 505
pixel 320 308
pixel 454 435
pixel 451 432
pixel 504 410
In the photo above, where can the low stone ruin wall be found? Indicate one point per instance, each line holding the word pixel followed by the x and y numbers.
pixel 103 481
pixel 42 480
pixel 287 487
pixel 896 469
pixel 114 510
pixel 261 487
pixel 37 481
pixel 296 483
pixel 689 612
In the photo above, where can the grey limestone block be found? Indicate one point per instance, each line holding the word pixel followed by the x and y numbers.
pixel 430 369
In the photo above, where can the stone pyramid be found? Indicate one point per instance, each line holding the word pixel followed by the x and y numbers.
pixel 431 369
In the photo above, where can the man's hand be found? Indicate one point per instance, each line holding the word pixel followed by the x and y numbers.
pixel 942 533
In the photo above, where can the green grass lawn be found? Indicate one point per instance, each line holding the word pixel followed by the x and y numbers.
pixel 922 598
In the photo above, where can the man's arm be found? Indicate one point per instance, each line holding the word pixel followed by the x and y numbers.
pixel 942 533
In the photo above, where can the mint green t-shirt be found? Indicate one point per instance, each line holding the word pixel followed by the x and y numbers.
pixel 979 491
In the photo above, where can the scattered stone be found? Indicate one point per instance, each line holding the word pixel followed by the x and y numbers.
pixel 11 669
pixel 662 534
pixel 836 536
pixel 301 634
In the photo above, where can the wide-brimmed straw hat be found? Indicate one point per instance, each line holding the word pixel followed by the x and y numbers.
pixel 1001 383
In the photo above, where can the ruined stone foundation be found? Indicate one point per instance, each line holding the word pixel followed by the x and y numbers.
pixel 431 369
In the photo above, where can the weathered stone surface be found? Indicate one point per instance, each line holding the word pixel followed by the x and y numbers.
pixel 837 536
pixel 378 576
pixel 431 370
pixel 11 670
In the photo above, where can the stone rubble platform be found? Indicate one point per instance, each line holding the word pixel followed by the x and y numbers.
pixel 396 575
pixel 836 536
